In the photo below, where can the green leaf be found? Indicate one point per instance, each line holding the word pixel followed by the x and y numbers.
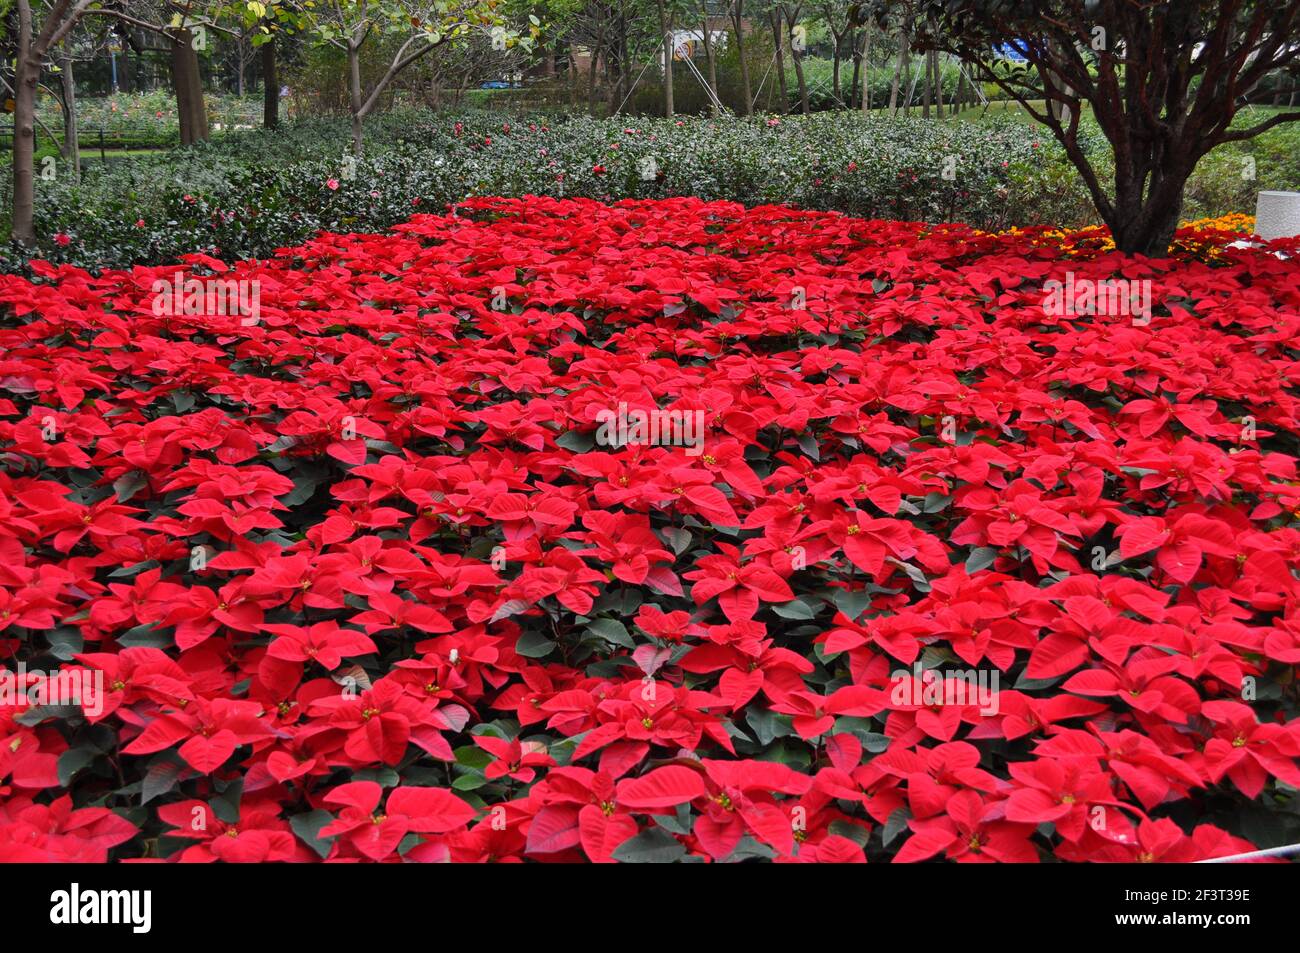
pixel 533 644
pixel 576 440
pixel 308 828
pixel 74 760
pixel 896 824
pixel 65 643
pixel 852 603
pixel 129 484
pixel 654 845
pixel 160 778
pixel 612 631
pixel 795 609
pixel 980 558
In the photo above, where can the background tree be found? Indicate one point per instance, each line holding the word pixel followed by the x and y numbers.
pixel 423 25
pixel 1164 82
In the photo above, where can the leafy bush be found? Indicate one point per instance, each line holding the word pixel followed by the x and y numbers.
pixel 246 195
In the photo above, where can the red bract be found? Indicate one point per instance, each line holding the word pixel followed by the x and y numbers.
pixel 885 562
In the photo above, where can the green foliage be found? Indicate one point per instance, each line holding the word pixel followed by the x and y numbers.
pixel 248 193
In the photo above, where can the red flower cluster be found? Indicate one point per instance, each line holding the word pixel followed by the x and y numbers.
pixel 396 568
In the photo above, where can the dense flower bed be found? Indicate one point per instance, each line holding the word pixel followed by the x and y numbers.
pixel 357 577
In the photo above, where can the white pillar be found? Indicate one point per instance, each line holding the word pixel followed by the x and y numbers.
pixel 1277 215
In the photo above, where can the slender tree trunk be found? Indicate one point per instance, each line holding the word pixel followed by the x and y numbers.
pixel 898 71
pixel 190 107
pixel 797 56
pixel 665 34
pixel 354 98
pixel 26 75
pixel 775 18
pixel 712 66
pixel 835 64
pixel 737 21
pixel 71 147
pixel 591 67
pixel 866 71
pixel 573 78
pixel 938 84
pixel 927 61
pixel 270 87
pixel 857 69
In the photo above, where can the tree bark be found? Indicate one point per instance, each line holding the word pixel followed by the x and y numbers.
pixel 26 76
pixel 835 65
pixel 712 66
pixel 898 70
pixel 190 107
pixel 737 16
pixel 792 17
pixel 354 98
pixel 866 71
pixel 665 34
pixel 775 18
pixel 270 87
pixel 927 61
pixel 71 146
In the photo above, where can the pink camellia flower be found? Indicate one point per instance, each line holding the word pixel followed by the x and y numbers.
pixel 139 223
pixel 598 169
pixel 332 185
pixel 190 199
pixel 62 238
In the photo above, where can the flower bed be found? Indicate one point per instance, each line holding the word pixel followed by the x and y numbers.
pixel 353 569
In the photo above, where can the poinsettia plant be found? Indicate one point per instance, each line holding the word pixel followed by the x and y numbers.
pixel 360 577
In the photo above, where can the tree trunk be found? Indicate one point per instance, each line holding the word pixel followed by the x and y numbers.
pixel 354 98
pixel 898 71
pixel 938 85
pixel 835 65
pixel 270 87
pixel 591 67
pixel 1144 222
pixel 775 18
pixel 866 71
pixel 927 61
pixel 665 34
pixel 713 67
pixel 737 16
pixel 26 76
pixel 573 79
pixel 857 70
pixel 71 147
pixel 797 56
pixel 189 88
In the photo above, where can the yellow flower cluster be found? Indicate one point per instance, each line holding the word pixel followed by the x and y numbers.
pixel 1094 239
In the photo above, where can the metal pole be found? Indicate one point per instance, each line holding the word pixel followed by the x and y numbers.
pixel 1254 855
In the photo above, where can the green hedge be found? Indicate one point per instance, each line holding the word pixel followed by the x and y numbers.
pixel 248 194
